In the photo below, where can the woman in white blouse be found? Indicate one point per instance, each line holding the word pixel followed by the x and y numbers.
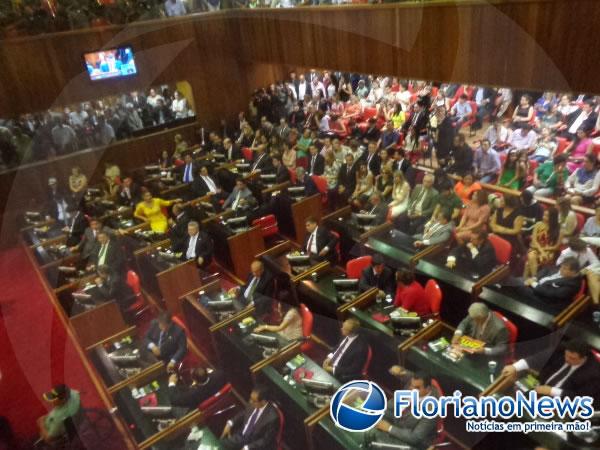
pixel 400 195
pixel 290 327
pixel 179 106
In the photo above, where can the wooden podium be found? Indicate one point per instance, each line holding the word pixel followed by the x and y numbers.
pixel 176 281
pixel 242 248
pixel 98 324
pixel 303 209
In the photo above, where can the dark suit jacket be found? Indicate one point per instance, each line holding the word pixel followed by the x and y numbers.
pixel 262 436
pixel 420 122
pixel 583 381
pixel 557 290
pixel 347 177
pixel 482 264
pixel 114 259
pixel 115 288
pixel 178 232
pixel 88 243
pixel 234 154
pixel 191 396
pixel 204 247
pixel 77 226
pixel 374 165
pixel 265 287
pixel 587 124
pixel 324 239
pixel 310 188
pixel 181 171
pixel 352 361
pixel 383 281
pixel 282 174
pixel 262 162
pixel 174 345
pixel 200 187
pixel 380 211
pixel 318 167
pixel 135 196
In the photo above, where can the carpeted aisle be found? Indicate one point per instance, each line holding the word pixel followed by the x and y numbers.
pixel 35 352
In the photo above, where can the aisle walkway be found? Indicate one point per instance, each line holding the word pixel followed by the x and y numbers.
pixel 35 352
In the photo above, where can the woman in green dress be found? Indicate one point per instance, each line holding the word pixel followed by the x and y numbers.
pixel 514 171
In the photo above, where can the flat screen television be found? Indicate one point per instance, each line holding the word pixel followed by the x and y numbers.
pixel 112 63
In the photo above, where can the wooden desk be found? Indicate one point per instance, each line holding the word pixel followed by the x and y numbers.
pixel 242 248
pixel 98 324
pixel 302 210
pixel 176 281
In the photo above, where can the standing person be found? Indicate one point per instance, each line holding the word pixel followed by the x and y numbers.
pixel 175 8
pixel 150 210
pixel 66 404
pixel 166 340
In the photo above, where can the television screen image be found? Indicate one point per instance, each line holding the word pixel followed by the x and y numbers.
pixel 113 63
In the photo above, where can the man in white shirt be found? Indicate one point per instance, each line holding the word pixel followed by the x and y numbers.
pixel 576 374
pixel 523 138
pixel 497 134
pixel 175 8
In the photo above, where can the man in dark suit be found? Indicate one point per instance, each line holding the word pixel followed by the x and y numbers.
pixel 346 182
pixel 347 361
pixel 129 193
pixel 485 98
pixel 476 256
pixel 204 184
pixel 379 276
pixel 232 151
pixel 107 252
pixel 372 159
pixel 416 124
pixel 282 174
pixel 75 227
pixel 198 246
pixel 376 207
pixel 166 340
pixel 241 198
pixel 56 204
pixel 319 243
pixel 178 225
pixel 416 433
pixel 482 324
pixel 554 286
pixel 259 284
pixel 575 374
pixel 261 161
pixel 89 242
pixel 188 171
pixel 204 385
pixel 316 162
pixel 255 428
pixel 112 286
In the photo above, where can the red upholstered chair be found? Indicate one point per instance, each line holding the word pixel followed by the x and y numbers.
pixel 434 293
pixel 213 399
pixel 502 247
pixel 338 247
pixel 365 370
pixel 562 144
pixel 247 153
pixel 368 113
pixel 513 334
pixel 281 427
pixel 268 225
pixel 354 267
pixel 321 183
pixel 307 326
pixel 292 176
pixel 441 430
pixel 580 222
pixel 139 306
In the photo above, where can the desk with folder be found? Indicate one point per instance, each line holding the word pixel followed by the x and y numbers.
pixel 121 358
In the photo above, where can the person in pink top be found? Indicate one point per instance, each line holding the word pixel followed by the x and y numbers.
pixel 578 149
pixel 410 295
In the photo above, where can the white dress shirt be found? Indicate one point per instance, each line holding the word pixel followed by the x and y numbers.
pixel 191 250
pixel 344 345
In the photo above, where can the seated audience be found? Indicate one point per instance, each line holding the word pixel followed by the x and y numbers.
pixel 545 243
pixel 486 163
pixel 205 383
pixel 523 139
pixel 553 286
pixel 482 324
pixel 423 200
pixel 507 222
pixel 566 217
pixel 592 224
pixel 363 185
pixel 256 427
pixel 112 286
pixel 377 275
pixel 475 217
pixel 448 200
pixel 584 183
pixel 477 256
pixel 497 134
pixel 282 174
pixel 514 172
pixel 400 195
pixel 347 361
pixel 545 146
pixel 581 251
pixel 461 156
pixel 128 193
pixel 437 231
pixel 549 178
pixel 290 327
pixel 166 340
pixel 410 295
pixel 107 252
pixel 465 188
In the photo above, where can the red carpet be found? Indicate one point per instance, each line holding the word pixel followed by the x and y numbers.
pixel 35 352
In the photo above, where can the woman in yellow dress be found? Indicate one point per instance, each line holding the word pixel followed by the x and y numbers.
pixel 150 210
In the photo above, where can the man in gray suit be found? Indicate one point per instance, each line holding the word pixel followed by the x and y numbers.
pixel 482 324
pixel 437 231
pixel 417 434
pixel 421 204
pixel 89 242
pixel 241 197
